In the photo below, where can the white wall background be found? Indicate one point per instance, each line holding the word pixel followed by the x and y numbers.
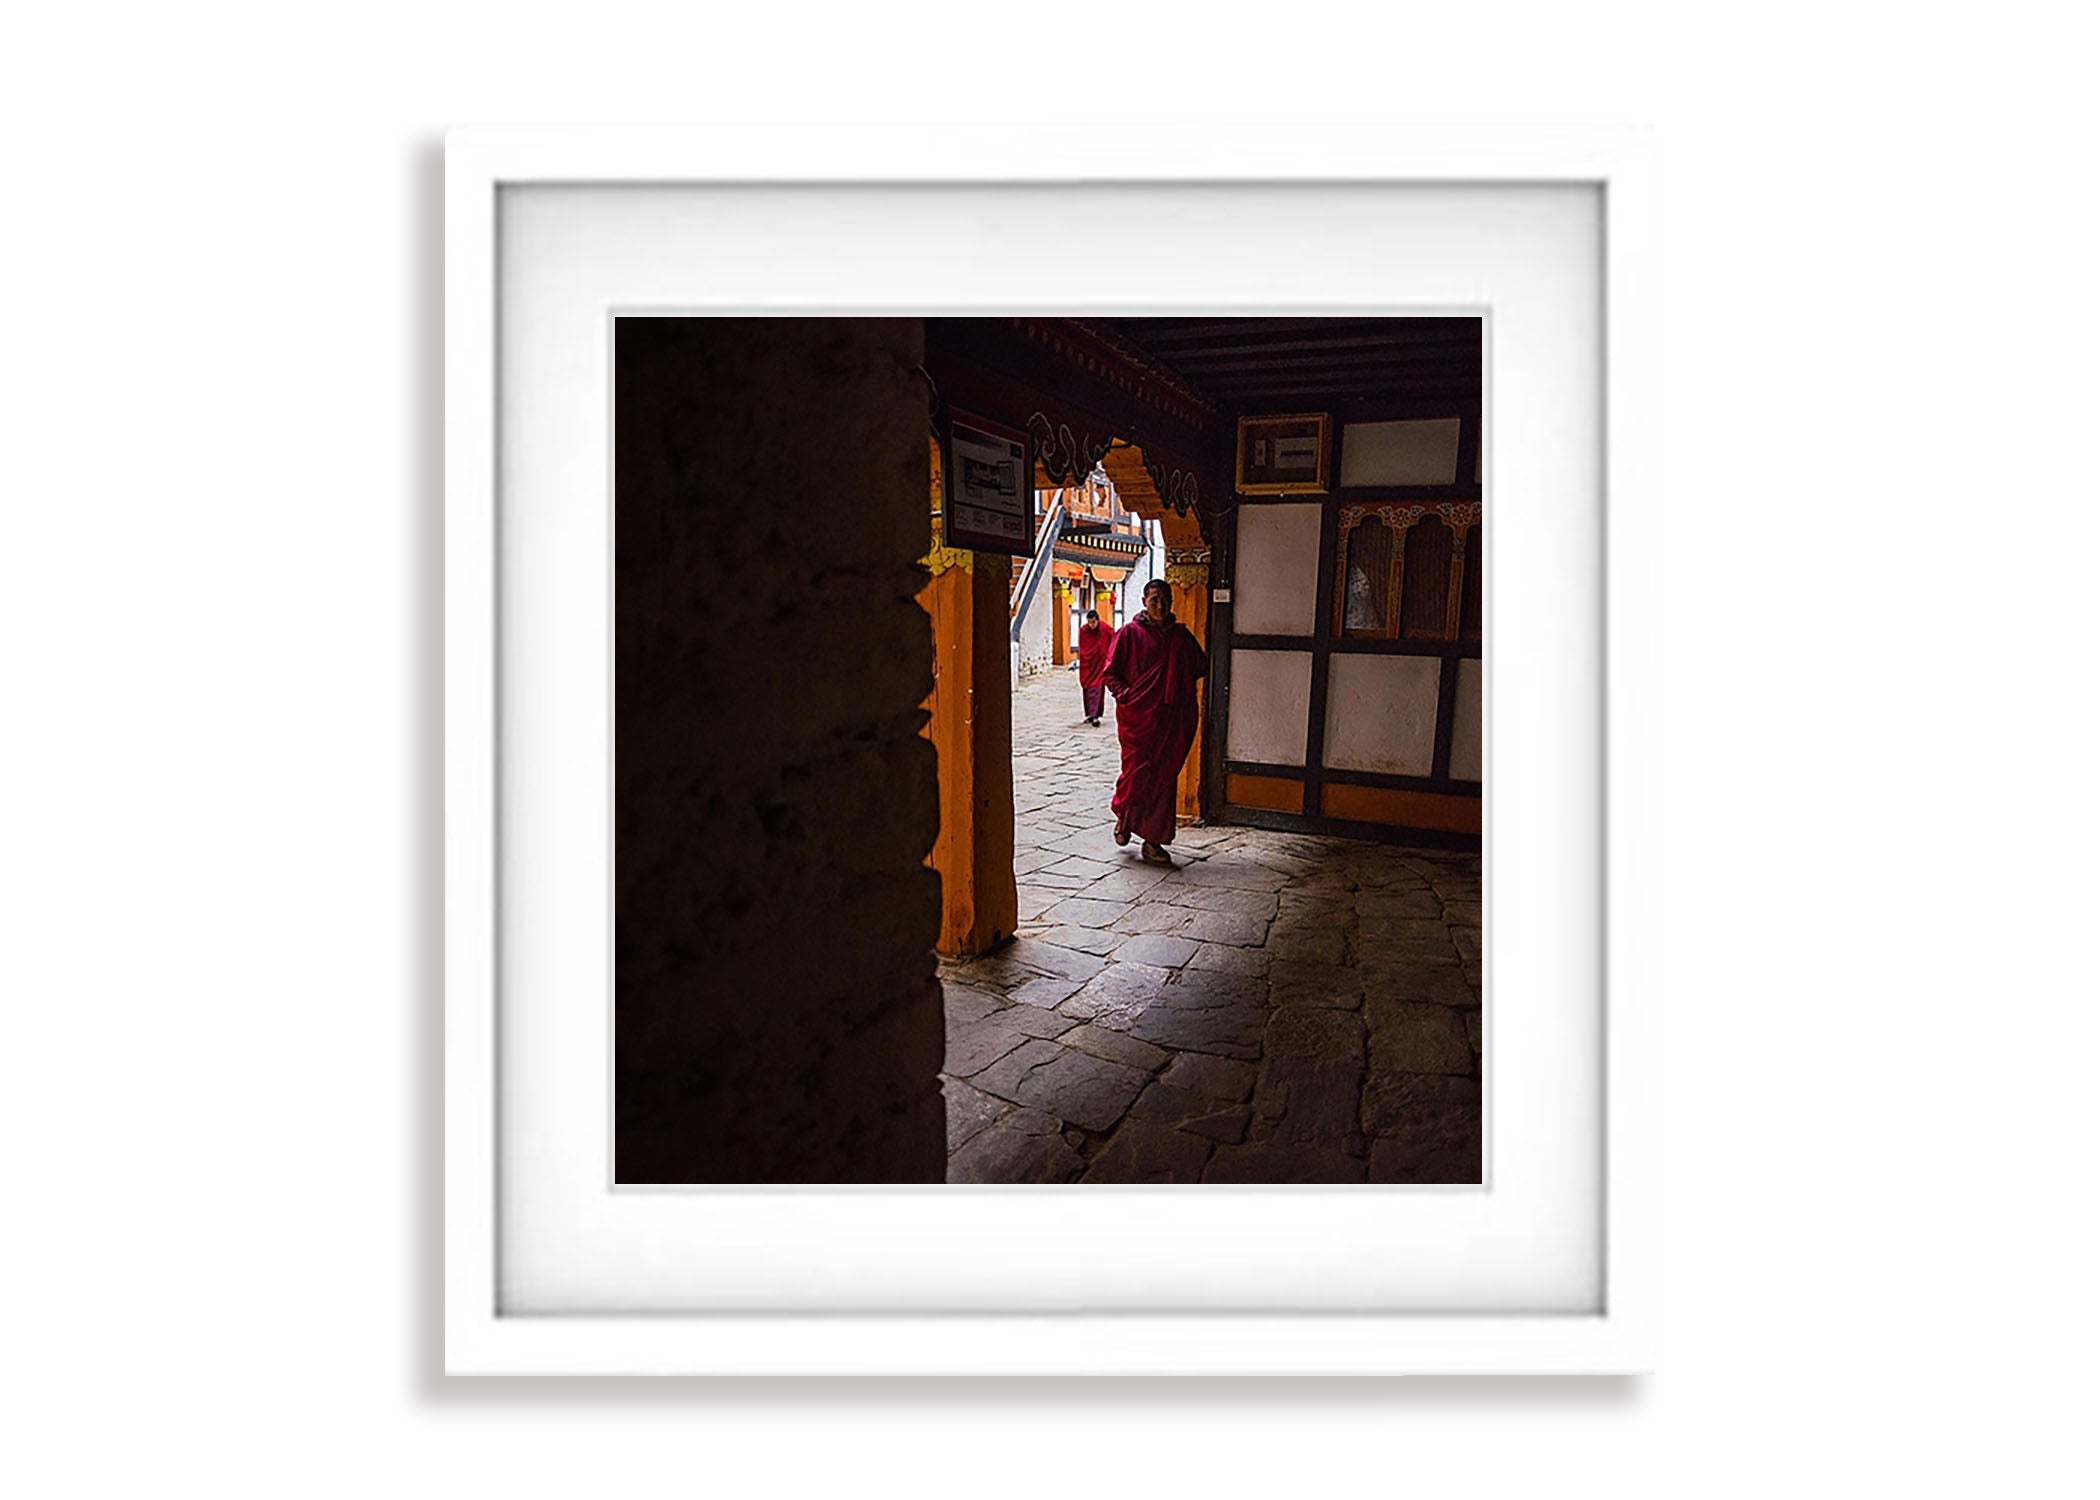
pixel 1033 650
pixel 219 484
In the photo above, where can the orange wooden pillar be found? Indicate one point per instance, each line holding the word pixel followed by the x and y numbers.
pixel 1188 572
pixel 1060 621
pixel 970 721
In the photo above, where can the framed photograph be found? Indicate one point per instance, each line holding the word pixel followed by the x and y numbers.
pixel 862 961
pixel 1282 455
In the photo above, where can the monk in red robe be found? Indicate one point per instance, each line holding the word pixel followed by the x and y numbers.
pixel 1094 639
pixel 1153 668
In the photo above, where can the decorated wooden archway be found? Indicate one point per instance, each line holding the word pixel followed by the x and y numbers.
pixel 1086 400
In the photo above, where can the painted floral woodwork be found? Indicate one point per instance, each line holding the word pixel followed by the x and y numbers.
pixel 1371 557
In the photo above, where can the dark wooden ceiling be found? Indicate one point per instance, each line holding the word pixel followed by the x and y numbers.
pixel 1241 364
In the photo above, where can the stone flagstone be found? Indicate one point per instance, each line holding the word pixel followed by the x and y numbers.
pixel 1311 1079
pixel 1094 940
pixel 964 1005
pixel 1045 990
pixel 1411 1038
pixel 1144 1152
pixel 1191 1111
pixel 1275 1008
pixel 969 1110
pixel 1212 1077
pixel 1117 1047
pixel 975 1045
pixel 1025 1145
pixel 1277 1161
pixel 1082 912
pixel 1118 994
pixel 1223 927
pixel 1206 1012
pixel 1156 948
pixel 1081 1089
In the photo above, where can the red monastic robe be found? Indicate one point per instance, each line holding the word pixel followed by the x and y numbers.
pixel 1094 639
pixel 1153 670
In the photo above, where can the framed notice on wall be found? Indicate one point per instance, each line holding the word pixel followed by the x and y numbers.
pixel 1282 455
pixel 988 500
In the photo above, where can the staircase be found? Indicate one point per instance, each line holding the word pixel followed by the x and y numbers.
pixel 1038 567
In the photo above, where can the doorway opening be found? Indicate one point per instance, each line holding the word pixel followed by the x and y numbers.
pixel 1296 997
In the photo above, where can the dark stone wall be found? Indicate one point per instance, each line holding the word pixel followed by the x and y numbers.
pixel 777 1015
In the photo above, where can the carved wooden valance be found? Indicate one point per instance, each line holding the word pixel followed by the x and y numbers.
pixel 1078 393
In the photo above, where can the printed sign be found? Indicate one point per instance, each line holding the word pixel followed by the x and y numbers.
pixel 1299 455
pixel 990 501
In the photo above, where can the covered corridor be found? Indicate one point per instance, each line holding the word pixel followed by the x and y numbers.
pixel 874 928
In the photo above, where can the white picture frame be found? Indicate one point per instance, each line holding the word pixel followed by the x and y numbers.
pixel 482 1334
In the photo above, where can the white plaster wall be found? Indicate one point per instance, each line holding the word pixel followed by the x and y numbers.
pixel 1466 727
pixel 1270 696
pixel 1424 452
pixel 1275 586
pixel 1032 651
pixel 1381 714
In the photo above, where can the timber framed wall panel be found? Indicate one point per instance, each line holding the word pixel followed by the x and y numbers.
pixel 1418 452
pixel 1466 737
pixel 1397 620
pixel 1276 590
pixel 1276 793
pixel 1271 698
pixel 1346 802
pixel 1381 713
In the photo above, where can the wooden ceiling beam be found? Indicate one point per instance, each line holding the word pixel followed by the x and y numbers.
pixel 1162 333
pixel 1283 398
pixel 1355 359
pixel 1285 374
pixel 1305 348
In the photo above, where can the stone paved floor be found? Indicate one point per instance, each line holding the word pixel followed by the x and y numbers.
pixel 1279 1008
